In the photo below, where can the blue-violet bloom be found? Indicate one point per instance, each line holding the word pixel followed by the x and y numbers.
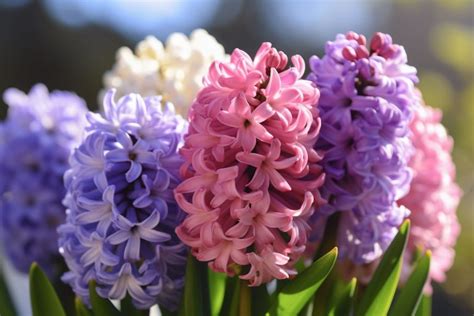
pixel 36 139
pixel 121 217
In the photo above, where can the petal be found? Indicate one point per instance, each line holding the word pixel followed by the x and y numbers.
pixel 262 112
pixel 230 119
pixel 277 180
pixel 276 220
pixel 247 139
pixel 117 155
pixel 132 249
pixel 119 237
pixel 251 159
pixel 119 289
pixel 195 183
pixel 260 132
pixel 154 235
pixel 151 221
pixel 274 83
pixel 134 172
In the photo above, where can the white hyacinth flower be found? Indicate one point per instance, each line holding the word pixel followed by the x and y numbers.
pixel 174 70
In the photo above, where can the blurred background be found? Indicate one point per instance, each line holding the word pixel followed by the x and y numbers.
pixel 69 44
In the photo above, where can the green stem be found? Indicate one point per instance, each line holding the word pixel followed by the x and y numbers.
pixel 245 305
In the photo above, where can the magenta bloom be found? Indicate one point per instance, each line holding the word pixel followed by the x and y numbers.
pixel 252 175
pixel 433 196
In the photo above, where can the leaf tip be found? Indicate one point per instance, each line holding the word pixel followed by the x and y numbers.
pixel 33 267
pixel 405 227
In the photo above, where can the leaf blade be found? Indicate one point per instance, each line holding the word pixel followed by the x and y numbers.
pixel 101 306
pixel 424 308
pixel 7 308
pixel 44 300
pixel 294 296
pixel 217 282
pixel 341 302
pixel 412 293
pixel 381 289
pixel 196 301
pixel 81 309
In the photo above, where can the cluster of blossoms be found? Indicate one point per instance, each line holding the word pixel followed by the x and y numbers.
pixel 366 105
pixel 35 142
pixel 267 159
pixel 433 196
pixel 174 71
pixel 251 170
pixel 121 212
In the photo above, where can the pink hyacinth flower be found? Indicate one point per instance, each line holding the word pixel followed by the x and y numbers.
pixel 252 177
pixel 433 197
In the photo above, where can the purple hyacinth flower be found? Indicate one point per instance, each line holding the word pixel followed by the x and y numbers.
pixel 121 212
pixel 35 142
pixel 367 101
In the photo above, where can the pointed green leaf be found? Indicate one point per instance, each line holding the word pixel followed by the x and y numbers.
pixel 294 295
pixel 216 290
pixel 424 308
pixel 320 301
pixel 127 308
pixel 379 294
pixel 260 300
pixel 44 300
pixel 341 300
pixel 165 312
pixel 101 306
pixel 234 304
pixel 81 309
pixel 196 299
pixel 7 308
pixel 411 294
pixel 230 287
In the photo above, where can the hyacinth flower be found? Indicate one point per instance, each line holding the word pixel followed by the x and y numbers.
pixel 366 104
pixel 433 197
pixel 35 142
pixel 121 213
pixel 251 172
pixel 174 70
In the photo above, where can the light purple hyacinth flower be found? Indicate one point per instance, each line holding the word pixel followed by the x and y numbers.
pixel 121 211
pixel 367 101
pixel 35 142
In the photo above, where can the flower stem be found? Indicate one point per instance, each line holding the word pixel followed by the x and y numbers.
pixel 245 306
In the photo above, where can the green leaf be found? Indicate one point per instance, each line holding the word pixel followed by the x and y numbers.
pixel 216 290
pixel 424 308
pixel 260 300
pixel 165 312
pixel 44 300
pixel 81 309
pixel 379 294
pixel 6 304
pixel 127 308
pixel 196 299
pixel 294 295
pixel 101 306
pixel 235 303
pixel 230 287
pixel 341 300
pixel 411 294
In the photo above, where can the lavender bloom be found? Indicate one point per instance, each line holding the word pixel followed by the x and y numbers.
pixel 366 104
pixel 35 142
pixel 121 212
